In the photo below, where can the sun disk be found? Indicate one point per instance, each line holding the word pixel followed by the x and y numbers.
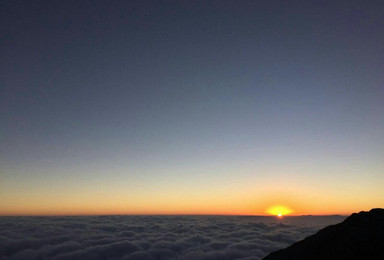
pixel 279 211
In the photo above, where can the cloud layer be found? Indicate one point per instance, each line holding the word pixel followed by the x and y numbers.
pixel 151 237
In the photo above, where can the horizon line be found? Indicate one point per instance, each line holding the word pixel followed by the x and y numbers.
pixel 218 215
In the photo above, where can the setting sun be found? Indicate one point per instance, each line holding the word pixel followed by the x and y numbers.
pixel 279 210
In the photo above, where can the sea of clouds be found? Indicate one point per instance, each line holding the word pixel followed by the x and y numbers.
pixel 152 237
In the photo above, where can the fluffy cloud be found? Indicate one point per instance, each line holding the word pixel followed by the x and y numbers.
pixel 152 237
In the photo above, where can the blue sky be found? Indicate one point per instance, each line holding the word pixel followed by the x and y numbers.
pixel 158 95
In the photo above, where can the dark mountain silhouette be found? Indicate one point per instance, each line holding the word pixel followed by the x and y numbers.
pixel 360 236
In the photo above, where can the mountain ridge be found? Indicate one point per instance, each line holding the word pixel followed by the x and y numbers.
pixel 360 236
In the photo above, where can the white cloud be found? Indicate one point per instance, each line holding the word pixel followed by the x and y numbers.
pixel 150 237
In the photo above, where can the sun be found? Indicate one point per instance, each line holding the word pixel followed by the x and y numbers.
pixel 279 210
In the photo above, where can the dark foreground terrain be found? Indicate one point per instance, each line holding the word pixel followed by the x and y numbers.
pixel 360 236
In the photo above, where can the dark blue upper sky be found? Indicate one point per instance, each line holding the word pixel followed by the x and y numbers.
pixel 163 89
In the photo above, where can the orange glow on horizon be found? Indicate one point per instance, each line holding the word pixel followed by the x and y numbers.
pixel 116 199
pixel 279 211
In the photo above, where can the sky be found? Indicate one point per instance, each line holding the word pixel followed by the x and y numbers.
pixel 191 107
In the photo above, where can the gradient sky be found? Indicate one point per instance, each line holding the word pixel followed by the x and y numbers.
pixel 191 107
